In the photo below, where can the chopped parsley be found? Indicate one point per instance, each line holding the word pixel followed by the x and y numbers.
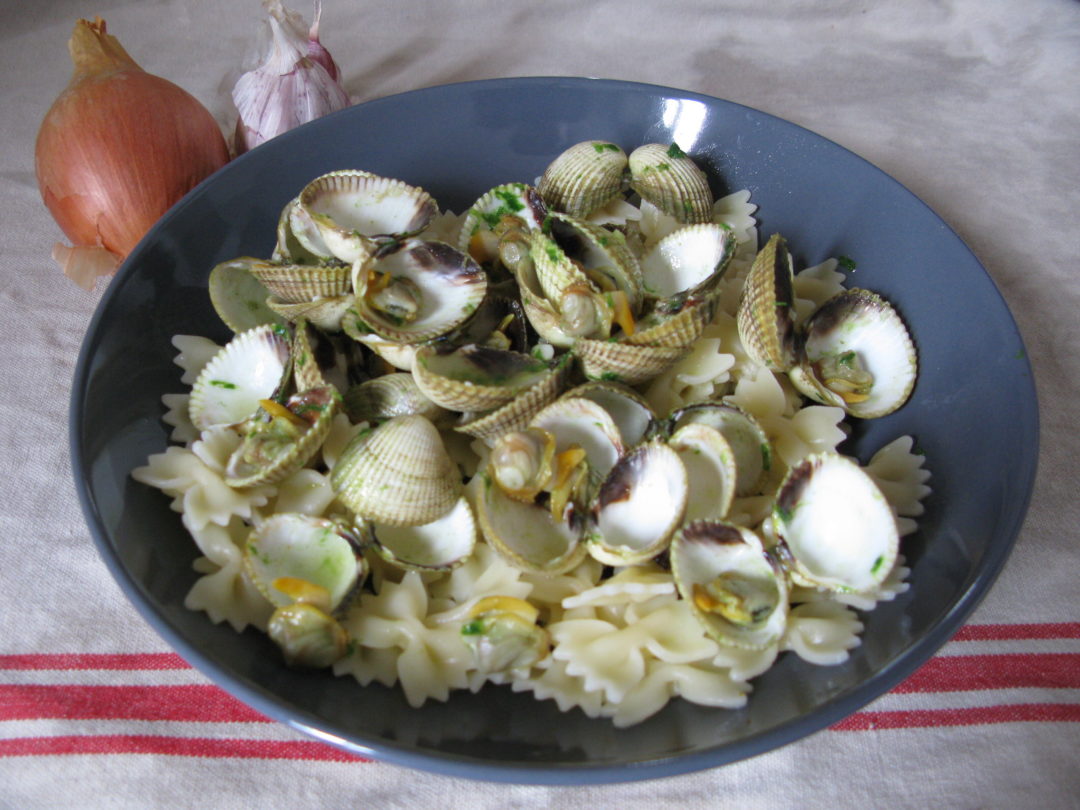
pixel 846 262
pixel 223 384
pixel 675 152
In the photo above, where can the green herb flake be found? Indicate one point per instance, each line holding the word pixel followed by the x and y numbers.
pixel 604 147
pixel 610 376
pixel 847 263
pixel 675 152
pixel 880 561
pixel 473 628
pixel 223 384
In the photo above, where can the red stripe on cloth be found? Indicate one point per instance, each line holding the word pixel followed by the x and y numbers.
pixel 107 661
pixel 982 715
pixel 1017 632
pixel 187 703
pixel 965 673
pixel 174 746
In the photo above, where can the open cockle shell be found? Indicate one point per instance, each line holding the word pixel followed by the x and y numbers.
pixel 584 177
pixel 295 283
pixel 834 527
pixel 638 506
pixel 733 586
pixel 747 439
pixel 584 423
pixel 476 378
pixel 766 315
pixel 275 447
pixel 526 534
pixel 857 355
pixel 602 254
pixel 517 413
pixel 325 313
pixel 359 214
pixel 624 362
pixel 440 545
pixel 252 366
pixel 628 409
pixel 691 258
pixel 512 206
pixel 679 329
pixel 443 287
pixel 673 182
pixel 288 552
pixel 288 248
pixel 238 297
pixel 398 473
pixel 390 395
pixel 710 467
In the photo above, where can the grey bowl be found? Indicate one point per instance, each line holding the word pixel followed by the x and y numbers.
pixel 973 412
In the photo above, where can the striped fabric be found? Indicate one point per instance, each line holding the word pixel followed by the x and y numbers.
pixel 154 703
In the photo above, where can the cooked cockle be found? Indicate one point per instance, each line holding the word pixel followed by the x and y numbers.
pixel 522 463
pixel 857 355
pixel 441 545
pixel 390 395
pixel 584 177
pixel 638 506
pixel 748 441
pixel 478 378
pixel 293 557
pixel 711 470
pixel 282 438
pixel 672 181
pixel 421 291
pixel 358 214
pixel 692 259
pixel 834 527
pixel 627 408
pixel 766 316
pixel 606 260
pixel 307 635
pixel 503 634
pixel 501 217
pixel 398 473
pixel 580 422
pixel 733 586
pixel 253 366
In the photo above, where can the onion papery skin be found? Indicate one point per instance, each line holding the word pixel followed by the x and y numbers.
pixel 120 146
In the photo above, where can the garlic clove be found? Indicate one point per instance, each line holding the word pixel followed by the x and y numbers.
pixel 291 87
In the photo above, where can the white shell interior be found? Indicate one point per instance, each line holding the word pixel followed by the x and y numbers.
pixel 249 368
pixel 710 468
pixel 685 258
pixel 579 421
pixel 841 530
pixel 440 544
pixel 307 548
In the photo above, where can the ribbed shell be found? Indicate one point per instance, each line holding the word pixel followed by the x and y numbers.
pixel 519 411
pixel 452 287
pixel 672 182
pixel 239 473
pixel 475 378
pixel 326 313
pixel 398 473
pixel 766 315
pixel 388 396
pixel 680 330
pixel 605 253
pixel 584 177
pixel 296 283
pixel 865 324
pixel 703 550
pixel 623 362
pixel 356 211
pixel 252 366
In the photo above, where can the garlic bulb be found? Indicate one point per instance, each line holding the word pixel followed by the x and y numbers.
pixel 298 81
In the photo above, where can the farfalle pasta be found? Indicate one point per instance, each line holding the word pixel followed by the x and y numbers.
pixel 430 457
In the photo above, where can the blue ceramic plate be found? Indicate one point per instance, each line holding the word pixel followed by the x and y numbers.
pixel 973 412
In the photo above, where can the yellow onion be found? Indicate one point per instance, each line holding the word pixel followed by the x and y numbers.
pixel 117 148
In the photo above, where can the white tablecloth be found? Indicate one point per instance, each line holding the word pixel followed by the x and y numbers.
pixel 973 105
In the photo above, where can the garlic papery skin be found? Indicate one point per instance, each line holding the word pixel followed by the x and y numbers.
pixel 290 87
